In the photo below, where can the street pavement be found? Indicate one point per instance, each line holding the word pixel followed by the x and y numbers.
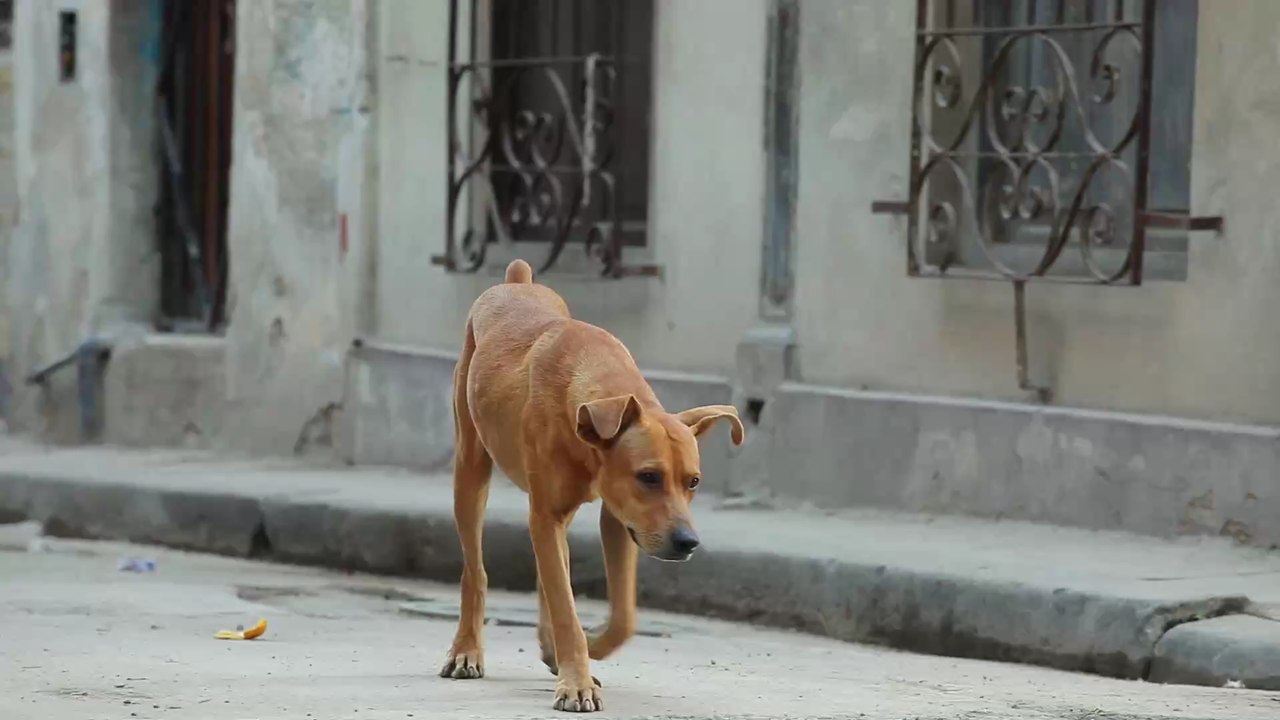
pixel 81 639
pixel 1194 610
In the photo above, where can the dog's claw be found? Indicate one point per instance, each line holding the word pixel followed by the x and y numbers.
pixel 571 699
pixel 463 666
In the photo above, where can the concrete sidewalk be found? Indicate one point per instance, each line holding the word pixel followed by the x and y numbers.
pixel 1108 603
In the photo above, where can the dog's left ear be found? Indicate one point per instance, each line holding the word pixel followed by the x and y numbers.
pixel 701 419
pixel 600 421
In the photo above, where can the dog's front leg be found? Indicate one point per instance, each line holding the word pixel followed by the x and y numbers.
pixel 620 572
pixel 575 689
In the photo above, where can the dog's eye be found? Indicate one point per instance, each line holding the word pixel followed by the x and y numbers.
pixel 693 482
pixel 649 478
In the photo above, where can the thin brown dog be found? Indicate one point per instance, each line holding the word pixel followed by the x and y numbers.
pixel 563 410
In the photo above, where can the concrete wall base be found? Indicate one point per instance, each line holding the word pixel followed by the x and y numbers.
pixel 829 447
pixel 166 391
pixel 1151 475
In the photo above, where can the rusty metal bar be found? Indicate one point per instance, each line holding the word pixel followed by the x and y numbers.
pixel 890 207
pixel 1142 175
pixel 1043 394
pixel 1181 221
pixel 962 273
pixel 529 62
pixel 1027 29
pixel 451 132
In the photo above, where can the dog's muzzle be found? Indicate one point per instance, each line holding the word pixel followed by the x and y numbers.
pixel 679 546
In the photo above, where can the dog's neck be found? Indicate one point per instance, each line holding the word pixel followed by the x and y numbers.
pixel 594 379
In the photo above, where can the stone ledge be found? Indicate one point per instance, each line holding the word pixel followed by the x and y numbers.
pixel 1151 475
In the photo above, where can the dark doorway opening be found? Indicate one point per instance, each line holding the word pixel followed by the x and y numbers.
pixel 193 102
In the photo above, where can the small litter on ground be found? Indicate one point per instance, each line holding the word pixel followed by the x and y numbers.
pixel 138 565
pixel 242 634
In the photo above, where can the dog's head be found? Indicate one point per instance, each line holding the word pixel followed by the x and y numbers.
pixel 650 469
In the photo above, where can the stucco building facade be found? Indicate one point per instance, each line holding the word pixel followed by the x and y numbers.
pixel 775 203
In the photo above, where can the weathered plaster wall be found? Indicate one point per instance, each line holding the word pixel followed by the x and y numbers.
pixel 298 233
pixel 81 258
pixel 8 213
pixel 1202 348
pixel 707 185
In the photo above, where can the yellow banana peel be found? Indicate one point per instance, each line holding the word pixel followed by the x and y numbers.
pixel 247 634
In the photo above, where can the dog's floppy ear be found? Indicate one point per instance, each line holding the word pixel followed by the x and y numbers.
pixel 600 421
pixel 701 419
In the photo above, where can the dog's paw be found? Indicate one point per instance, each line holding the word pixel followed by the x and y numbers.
pixel 464 665
pixel 577 696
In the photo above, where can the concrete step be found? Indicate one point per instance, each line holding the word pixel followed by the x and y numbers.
pixel 1102 602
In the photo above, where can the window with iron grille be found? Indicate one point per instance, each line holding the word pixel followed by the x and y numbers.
pixel 548 124
pixel 1052 140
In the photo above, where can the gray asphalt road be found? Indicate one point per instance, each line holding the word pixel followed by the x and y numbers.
pixel 80 639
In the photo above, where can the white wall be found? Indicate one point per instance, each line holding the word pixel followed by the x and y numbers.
pixel 300 162
pixel 8 215
pixel 707 183
pixel 1201 348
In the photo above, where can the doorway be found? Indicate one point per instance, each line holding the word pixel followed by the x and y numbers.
pixel 193 117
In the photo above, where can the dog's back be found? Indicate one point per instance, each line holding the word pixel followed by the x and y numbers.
pixel 507 321
pixel 517 306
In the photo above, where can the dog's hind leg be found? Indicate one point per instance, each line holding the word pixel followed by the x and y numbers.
pixel 472 467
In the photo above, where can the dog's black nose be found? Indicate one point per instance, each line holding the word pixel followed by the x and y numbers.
pixel 684 541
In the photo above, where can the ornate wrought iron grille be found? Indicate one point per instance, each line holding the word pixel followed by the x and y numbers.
pixel 1032 139
pixel 548 129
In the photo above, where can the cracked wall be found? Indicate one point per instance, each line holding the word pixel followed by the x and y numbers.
pixel 297 231
pixel 81 257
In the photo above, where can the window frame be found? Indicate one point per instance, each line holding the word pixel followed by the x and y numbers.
pixel 548 125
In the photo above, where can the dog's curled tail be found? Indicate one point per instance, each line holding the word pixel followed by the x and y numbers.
pixel 519 272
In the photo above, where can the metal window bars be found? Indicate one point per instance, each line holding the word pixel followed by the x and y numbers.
pixel 532 171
